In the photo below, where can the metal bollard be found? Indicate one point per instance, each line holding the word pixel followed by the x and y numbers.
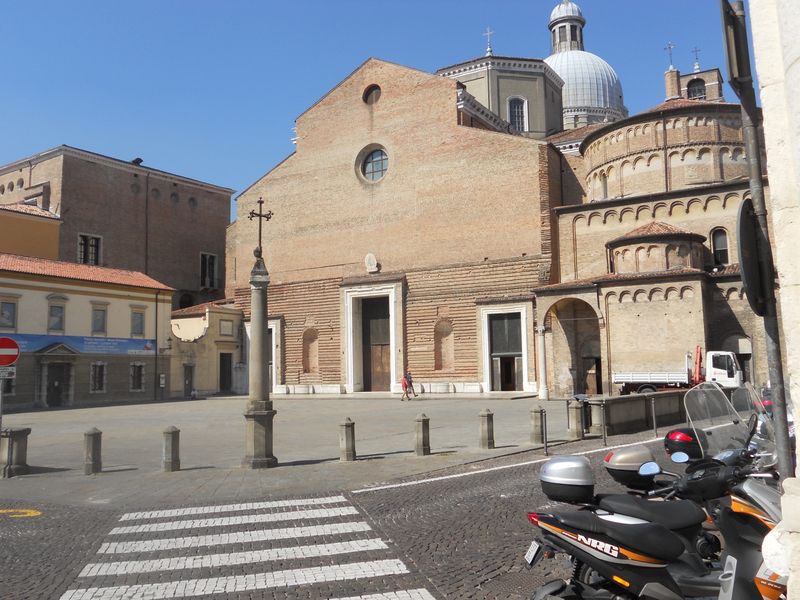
pixel 347 441
pixel 575 419
pixel 603 422
pixel 653 411
pixel 92 443
pixel 544 431
pixel 170 455
pixel 537 425
pixel 487 429
pixel 422 444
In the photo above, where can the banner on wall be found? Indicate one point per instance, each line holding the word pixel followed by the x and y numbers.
pixel 84 345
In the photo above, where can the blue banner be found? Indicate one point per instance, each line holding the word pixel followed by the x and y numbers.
pixel 83 345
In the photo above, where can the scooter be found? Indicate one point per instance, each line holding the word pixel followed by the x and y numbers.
pixel 617 556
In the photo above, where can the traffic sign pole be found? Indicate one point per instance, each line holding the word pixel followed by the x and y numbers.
pixel 9 353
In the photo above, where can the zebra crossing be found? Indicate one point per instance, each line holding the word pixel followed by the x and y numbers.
pixel 319 546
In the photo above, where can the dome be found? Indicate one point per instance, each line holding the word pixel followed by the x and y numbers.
pixel 565 10
pixel 589 82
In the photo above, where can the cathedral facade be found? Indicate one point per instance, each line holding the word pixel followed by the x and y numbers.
pixel 502 225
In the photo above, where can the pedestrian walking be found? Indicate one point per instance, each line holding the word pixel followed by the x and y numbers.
pixel 404 384
pixel 410 384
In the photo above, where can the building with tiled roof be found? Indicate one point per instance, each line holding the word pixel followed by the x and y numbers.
pixel 30 230
pixel 89 335
pixel 125 214
pixel 648 251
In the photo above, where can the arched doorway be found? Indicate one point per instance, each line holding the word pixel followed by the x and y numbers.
pixel 576 363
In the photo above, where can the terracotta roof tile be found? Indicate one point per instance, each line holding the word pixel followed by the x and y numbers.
pixel 200 309
pixel 685 103
pixel 621 277
pixel 29 209
pixel 55 268
pixel 576 134
pixel 652 229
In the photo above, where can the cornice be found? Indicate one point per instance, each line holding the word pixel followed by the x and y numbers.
pixel 467 103
pixel 489 63
pixel 111 162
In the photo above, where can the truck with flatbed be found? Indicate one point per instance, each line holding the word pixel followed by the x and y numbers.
pixel 721 367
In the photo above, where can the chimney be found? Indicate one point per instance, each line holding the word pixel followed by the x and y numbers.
pixel 672 82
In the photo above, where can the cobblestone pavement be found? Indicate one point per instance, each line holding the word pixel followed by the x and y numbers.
pixel 467 530
pixel 455 533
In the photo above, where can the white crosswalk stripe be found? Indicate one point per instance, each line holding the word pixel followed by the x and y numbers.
pixel 222 563
pixel 236 558
pixel 205 510
pixel 223 539
pixel 419 594
pixel 295 515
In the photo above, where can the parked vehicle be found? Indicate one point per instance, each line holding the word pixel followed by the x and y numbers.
pixel 616 556
pixel 721 367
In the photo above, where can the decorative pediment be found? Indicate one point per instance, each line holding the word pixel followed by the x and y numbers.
pixel 57 348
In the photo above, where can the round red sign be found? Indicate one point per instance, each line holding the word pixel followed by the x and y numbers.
pixel 9 352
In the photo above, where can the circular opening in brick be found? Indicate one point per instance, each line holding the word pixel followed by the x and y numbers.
pixel 372 94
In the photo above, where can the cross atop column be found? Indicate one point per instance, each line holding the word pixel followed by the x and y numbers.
pixel 261 216
pixel 669 48
pixel 488 35
pixel 696 52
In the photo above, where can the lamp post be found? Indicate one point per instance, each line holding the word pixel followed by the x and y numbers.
pixel 259 414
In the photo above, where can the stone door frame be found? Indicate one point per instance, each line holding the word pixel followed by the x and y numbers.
pixel 486 355
pixel 352 343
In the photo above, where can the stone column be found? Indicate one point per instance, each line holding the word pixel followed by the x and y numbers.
pixel 259 414
pixel 776 47
pixel 544 393
pixel 347 440
pixel 171 454
pixel 486 429
pixel 92 447
pixel 422 438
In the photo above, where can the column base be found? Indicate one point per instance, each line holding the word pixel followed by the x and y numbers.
pixel 259 463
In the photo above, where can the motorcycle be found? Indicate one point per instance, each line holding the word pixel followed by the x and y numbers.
pixel 616 556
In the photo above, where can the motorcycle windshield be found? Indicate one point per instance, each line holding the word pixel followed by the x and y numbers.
pixel 714 420
pixel 747 401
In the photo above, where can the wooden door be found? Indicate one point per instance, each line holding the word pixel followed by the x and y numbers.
pixel 57 382
pixel 376 344
pixel 188 380
pixel 225 371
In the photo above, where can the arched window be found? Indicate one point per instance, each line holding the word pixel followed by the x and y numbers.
pixel 310 351
pixel 517 113
pixel 696 90
pixel 443 346
pixel 719 246
pixel 604 186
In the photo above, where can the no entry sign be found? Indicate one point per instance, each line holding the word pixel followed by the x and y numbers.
pixel 9 352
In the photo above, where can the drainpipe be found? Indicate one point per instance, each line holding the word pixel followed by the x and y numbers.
pixel 147 231
pixel 666 157
pixel 155 355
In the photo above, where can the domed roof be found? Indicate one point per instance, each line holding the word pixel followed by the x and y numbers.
pixel 589 81
pixel 566 9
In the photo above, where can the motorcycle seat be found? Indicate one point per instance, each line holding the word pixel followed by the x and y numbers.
pixel 672 514
pixel 651 539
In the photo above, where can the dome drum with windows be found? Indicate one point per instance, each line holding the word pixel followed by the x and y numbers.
pixel 592 91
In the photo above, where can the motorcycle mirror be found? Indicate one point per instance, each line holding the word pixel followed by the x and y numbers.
pixel 679 457
pixel 649 468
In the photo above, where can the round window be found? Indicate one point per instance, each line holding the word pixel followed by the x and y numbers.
pixel 375 165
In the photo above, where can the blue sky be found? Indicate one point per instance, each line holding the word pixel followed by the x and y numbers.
pixel 210 90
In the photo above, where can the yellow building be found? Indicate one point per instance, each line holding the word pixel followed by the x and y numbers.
pixel 88 335
pixel 29 230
